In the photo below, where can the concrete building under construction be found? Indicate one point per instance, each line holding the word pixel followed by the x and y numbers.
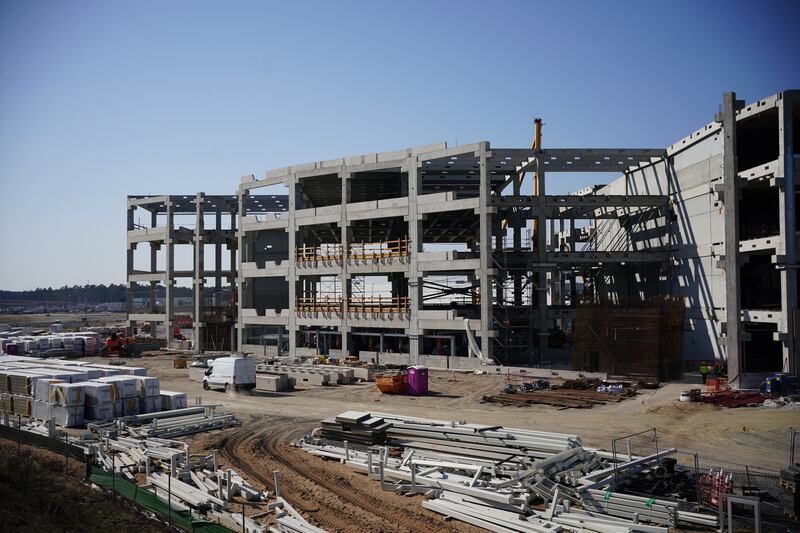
pixel 432 254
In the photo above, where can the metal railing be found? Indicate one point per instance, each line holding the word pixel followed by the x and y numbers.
pixel 379 304
pixel 360 251
pixel 322 304
pixel 379 250
pixel 323 252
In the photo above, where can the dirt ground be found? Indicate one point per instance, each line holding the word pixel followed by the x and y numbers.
pixel 327 493
pixel 37 496
pixel 756 436
pixel 71 321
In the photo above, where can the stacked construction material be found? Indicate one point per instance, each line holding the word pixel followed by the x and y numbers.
pixel 21 382
pixel 189 482
pixel 6 402
pixel 475 440
pixel 149 393
pixel 125 391
pixel 68 374
pixel 21 385
pixel 132 370
pixel 99 404
pixel 66 405
pixel 106 370
pixel 173 400
pixel 356 427
pixel 179 422
pixel 42 392
pixel 489 475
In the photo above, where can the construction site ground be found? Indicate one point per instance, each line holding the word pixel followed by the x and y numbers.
pixel 339 499
pixel 756 436
pixel 38 496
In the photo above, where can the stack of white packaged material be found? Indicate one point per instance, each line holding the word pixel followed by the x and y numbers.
pixel 66 404
pixel 106 370
pixel 133 370
pixel 125 393
pixel 42 392
pixel 149 393
pixel 173 400
pixel 99 401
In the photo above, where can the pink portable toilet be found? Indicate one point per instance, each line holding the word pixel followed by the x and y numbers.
pixel 417 380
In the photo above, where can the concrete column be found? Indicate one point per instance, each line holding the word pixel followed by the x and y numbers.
pixel 541 248
pixel 788 231
pixel 233 249
pixel 485 245
pixel 244 255
pixel 218 249
pixel 292 276
pixel 731 217
pixel 130 250
pixel 414 275
pixel 344 275
pixel 199 268
pixel 169 281
pixel 517 238
pixel 154 246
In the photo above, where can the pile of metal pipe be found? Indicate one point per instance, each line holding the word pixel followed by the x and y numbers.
pixel 489 476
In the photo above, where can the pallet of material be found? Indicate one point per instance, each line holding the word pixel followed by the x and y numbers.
pixel 22 382
pixel 732 398
pixel 67 394
pixel 6 402
pixel 21 404
pixel 568 398
pixel 42 391
pixel 173 400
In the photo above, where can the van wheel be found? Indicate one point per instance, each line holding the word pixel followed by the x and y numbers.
pixel 205 386
pixel 227 387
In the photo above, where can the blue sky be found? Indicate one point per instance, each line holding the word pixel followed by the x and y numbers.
pixel 103 99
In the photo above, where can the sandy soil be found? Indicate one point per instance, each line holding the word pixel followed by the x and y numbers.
pixel 37 496
pixel 71 321
pixel 752 436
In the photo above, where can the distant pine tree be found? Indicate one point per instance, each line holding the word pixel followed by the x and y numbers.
pixel 90 294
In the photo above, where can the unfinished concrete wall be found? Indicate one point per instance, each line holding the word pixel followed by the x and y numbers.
pixel 762 211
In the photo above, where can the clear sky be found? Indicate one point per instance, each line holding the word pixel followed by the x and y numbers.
pixel 101 99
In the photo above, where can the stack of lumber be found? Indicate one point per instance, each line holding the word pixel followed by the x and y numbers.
pixel 574 398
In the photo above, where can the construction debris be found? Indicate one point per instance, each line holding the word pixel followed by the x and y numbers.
pixel 733 398
pixel 490 476
pixel 578 393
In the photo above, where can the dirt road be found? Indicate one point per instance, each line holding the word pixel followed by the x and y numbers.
pixel 326 492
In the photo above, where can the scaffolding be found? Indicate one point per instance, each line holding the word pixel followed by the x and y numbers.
pixel 640 341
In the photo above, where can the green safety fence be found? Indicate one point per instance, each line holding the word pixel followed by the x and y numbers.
pixel 150 501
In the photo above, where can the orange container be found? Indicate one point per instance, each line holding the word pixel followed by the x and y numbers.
pixel 395 384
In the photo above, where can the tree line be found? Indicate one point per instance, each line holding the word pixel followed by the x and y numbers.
pixel 90 294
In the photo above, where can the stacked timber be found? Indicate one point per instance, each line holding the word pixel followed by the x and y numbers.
pixel 561 397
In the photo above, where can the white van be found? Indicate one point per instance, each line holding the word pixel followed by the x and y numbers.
pixel 230 373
